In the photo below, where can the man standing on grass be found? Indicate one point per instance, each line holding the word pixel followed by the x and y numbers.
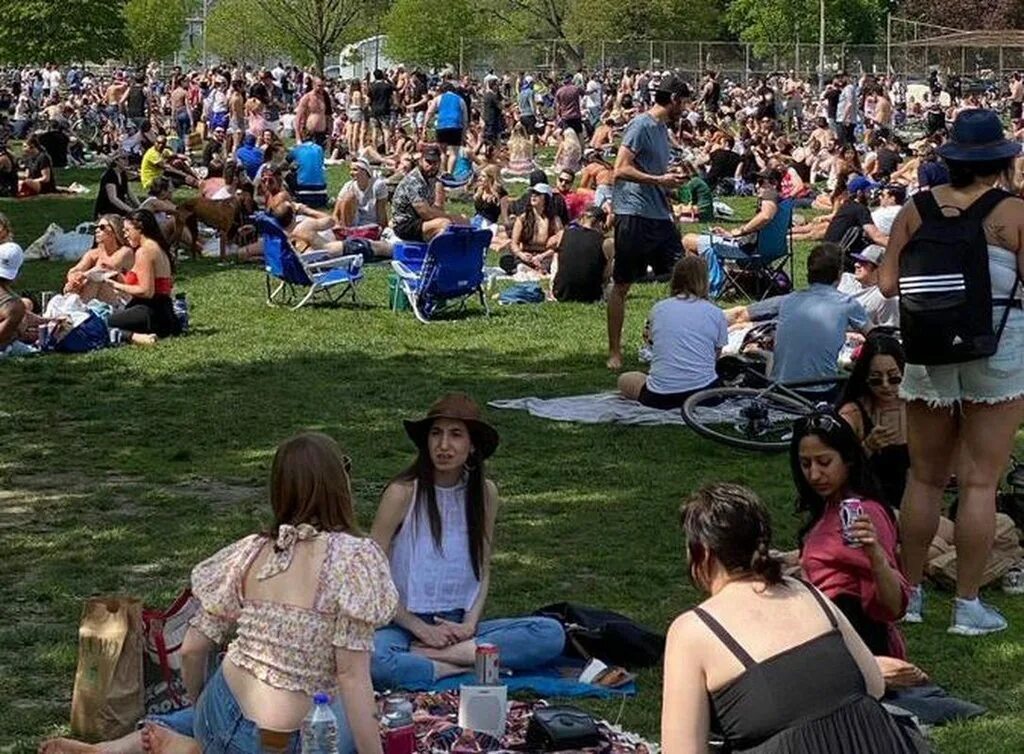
pixel 645 233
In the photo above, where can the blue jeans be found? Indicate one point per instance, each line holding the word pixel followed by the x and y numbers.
pixel 523 643
pixel 219 727
pixel 184 128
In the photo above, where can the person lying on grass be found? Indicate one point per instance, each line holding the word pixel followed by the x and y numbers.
pixel 436 523
pixel 112 255
pixel 302 600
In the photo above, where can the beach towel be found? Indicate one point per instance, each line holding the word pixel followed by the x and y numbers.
pixel 597 408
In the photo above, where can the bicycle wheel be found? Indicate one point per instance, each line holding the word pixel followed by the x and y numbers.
pixel 744 417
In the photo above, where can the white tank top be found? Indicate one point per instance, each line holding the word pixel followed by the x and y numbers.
pixel 432 579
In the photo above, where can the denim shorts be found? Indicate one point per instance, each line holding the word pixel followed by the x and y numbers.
pixel 995 379
pixel 219 726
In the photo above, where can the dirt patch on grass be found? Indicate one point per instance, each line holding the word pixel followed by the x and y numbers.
pixel 219 493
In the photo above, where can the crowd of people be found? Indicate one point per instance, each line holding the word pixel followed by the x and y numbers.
pixel 638 156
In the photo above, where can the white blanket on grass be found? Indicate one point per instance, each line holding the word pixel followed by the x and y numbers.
pixel 597 408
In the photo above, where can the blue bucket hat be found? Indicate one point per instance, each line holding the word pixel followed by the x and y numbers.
pixel 977 136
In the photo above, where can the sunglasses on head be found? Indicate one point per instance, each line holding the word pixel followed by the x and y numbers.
pixel 818 421
pixel 885 379
pixel 346 463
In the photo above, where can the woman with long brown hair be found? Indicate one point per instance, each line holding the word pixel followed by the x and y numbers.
pixel 302 600
pixel 436 522
pixel 111 254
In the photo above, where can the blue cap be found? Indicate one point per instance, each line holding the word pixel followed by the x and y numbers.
pixel 321 698
pixel 858 184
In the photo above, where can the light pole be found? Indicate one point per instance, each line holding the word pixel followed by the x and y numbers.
pixel 821 44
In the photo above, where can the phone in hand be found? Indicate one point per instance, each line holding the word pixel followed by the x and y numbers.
pixel 892 419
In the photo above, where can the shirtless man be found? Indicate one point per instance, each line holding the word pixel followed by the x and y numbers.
pixel 236 114
pixel 1017 97
pixel 113 96
pixel 311 113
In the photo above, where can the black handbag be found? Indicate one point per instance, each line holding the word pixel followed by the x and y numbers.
pixel 561 728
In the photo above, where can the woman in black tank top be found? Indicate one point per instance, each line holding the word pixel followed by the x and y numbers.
pixel 766 662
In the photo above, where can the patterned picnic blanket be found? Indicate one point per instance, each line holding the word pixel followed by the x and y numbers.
pixel 436 718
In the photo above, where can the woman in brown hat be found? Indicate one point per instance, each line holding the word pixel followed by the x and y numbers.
pixel 436 523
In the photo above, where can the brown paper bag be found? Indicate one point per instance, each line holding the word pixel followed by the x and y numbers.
pixel 108 698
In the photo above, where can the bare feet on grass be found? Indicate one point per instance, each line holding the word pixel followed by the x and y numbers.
pixel 159 740
pixel 66 746
pixel 614 362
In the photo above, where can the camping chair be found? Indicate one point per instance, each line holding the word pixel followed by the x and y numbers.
pixel 451 271
pixel 752 274
pixel 316 271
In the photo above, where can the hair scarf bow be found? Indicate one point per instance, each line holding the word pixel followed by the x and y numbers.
pixel 284 548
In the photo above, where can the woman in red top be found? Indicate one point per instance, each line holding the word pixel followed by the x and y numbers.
pixel 864 578
pixel 150 312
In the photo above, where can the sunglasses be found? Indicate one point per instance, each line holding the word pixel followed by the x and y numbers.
pixel 885 379
pixel 564 179
pixel 817 422
pixel 346 464
pixel 103 226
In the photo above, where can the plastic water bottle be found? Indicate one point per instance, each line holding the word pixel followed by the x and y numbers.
pixel 320 728
pixel 181 310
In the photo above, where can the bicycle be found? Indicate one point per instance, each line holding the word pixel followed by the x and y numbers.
pixel 751 418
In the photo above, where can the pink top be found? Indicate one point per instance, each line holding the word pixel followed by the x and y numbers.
pixel 286 646
pixel 838 569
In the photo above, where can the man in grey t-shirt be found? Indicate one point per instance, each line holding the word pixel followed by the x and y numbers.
pixel 645 233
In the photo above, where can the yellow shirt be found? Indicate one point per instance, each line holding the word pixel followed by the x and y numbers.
pixel 152 166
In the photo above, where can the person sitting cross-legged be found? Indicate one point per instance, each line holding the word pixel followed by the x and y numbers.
pixel 436 522
pixel 687 334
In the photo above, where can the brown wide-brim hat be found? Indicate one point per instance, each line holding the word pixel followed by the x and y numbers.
pixel 463 408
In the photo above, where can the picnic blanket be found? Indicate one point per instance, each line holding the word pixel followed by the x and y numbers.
pixel 556 680
pixel 597 408
pixel 435 716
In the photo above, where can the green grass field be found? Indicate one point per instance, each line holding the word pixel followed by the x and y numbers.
pixel 121 469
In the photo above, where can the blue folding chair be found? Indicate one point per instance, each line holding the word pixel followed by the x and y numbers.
pixel 747 270
pixel 320 274
pixel 451 271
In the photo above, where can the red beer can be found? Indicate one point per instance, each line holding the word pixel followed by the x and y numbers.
pixel 487 665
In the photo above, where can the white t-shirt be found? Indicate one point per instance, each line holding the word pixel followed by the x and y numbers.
pixel 366 201
pixel 883 217
pixel 686 334
pixel 882 311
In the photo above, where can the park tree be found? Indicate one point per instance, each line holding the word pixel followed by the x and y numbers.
pixel 784 22
pixel 432 32
pixel 965 14
pixel 39 31
pixel 317 27
pixel 154 28
pixel 241 30
pixel 612 20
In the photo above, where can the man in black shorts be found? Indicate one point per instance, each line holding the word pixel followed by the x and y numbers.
pixel 645 233
pixel 416 214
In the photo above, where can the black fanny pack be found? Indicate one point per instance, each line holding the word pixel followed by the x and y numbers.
pixel 561 728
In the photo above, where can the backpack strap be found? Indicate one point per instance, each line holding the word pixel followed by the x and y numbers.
pixel 927 207
pixel 985 203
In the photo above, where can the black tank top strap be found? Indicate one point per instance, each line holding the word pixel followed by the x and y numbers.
pixel 865 417
pixel 821 601
pixel 726 638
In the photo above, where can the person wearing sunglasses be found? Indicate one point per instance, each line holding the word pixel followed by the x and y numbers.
pixel 872 406
pixel 297 605
pixel 111 253
pixel 858 568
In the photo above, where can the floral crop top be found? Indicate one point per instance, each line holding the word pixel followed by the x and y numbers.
pixel 286 646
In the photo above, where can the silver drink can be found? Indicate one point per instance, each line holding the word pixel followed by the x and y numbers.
pixel 44 299
pixel 487 665
pixel 849 511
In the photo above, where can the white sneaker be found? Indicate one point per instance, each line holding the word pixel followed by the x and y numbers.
pixel 915 606
pixel 975 618
pixel 1013 580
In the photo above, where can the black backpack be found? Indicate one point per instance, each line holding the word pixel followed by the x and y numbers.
pixel 607 635
pixel 945 290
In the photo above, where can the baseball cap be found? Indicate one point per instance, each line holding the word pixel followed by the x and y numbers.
pixel 11 257
pixel 858 184
pixel 431 153
pixel 540 188
pixel 871 254
pixel 671 82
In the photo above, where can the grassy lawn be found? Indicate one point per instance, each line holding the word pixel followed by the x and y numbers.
pixel 121 469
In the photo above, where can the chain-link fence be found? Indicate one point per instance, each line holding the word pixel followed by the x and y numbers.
pixel 740 62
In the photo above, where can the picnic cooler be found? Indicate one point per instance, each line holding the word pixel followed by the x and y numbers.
pixel 397 300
